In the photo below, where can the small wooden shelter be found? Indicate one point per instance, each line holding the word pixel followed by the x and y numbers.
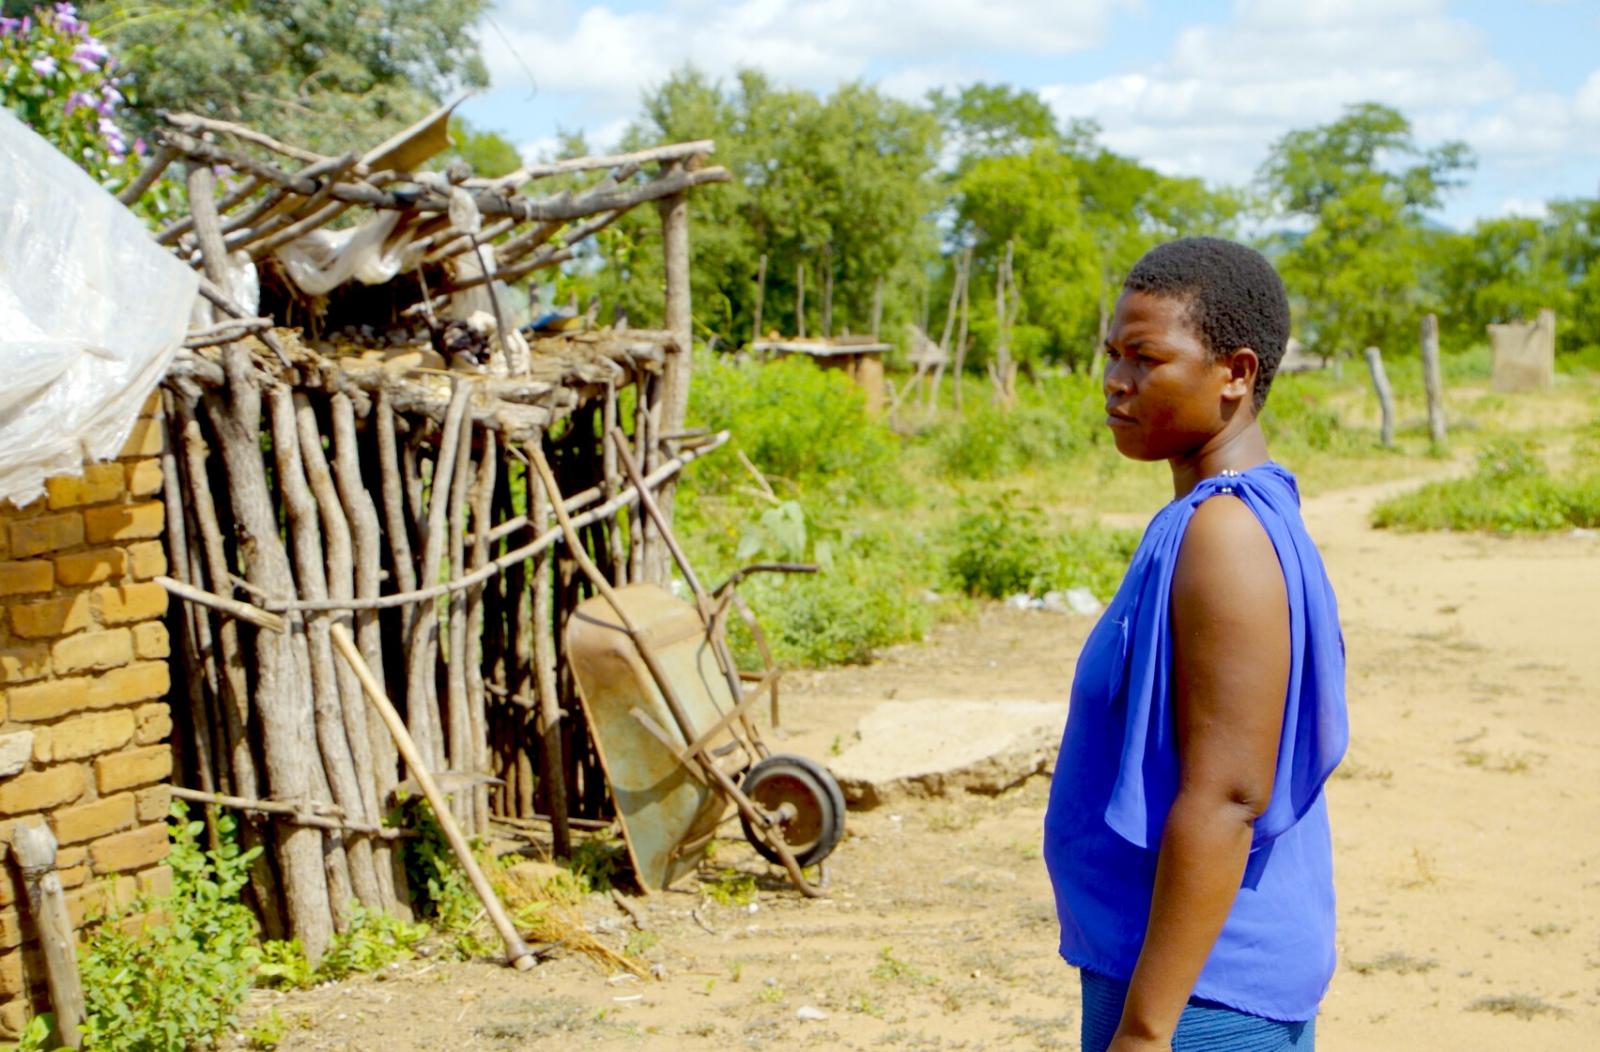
pixel 859 357
pixel 348 443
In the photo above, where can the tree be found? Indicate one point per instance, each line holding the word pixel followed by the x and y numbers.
pixel 838 183
pixel 327 74
pixel 1504 269
pixel 1031 201
pixel 1363 186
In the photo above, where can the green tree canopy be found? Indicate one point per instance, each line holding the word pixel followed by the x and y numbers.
pixel 1363 185
pixel 328 74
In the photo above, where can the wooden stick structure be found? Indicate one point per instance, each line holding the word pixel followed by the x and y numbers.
pixel 348 461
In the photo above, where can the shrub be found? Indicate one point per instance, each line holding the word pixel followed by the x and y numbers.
pixel 1511 491
pixel 1003 547
pixel 1059 417
pixel 800 424
pixel 1298 415
pixel 176 985
pixel 839 616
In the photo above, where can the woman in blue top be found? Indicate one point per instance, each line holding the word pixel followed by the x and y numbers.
pixel 1187 835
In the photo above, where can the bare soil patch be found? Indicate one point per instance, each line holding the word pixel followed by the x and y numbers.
pixel 1465 818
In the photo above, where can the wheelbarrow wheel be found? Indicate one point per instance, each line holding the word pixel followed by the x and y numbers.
pixel 813 822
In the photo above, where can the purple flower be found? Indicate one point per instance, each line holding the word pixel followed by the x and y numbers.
pixel 9 25
pixel 67 19
pixel 89 54
pixel 44 65
pixel 79 100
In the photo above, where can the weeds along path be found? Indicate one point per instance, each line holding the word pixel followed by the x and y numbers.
pixel 1465 818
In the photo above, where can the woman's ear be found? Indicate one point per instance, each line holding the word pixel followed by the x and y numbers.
pixel 1243 365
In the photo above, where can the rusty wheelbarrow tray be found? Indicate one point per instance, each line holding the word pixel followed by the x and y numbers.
pixel 671 719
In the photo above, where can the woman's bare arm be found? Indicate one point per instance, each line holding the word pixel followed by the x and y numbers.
pixel 1230 635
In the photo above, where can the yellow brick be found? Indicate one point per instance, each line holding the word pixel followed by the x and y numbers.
pixel 125 604
pixel 5 533
pixel 144 477
pixel 10 929
pixel 154 803
pixel 51 699
pixel 124 770
pixel 122 522
pixel 156 882
pixel 152 404
pixel 146 439
pixel 91 567
pixel 47 533
pixel 72 856
pixel 134 849
pixel 146 559
pixel 5 707
pixel 73 876
pixel 41 745
pixel 91 735
pixel 41 790
pixel 154 723
pixel 52 617
pixel 11 981
pixel 74 825
pixel 121 686
pixel 13 1017
pixel 24 663
pixel 32 575
pixel 112 648
pixel 10 888
pixel 150 640
pixel 98 484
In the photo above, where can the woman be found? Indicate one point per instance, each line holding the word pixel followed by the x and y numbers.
pixel 1187 836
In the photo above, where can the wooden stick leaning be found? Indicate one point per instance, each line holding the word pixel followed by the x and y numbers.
pixel 518 954
pixel 35 847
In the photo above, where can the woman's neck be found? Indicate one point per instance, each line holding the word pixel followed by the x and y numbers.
pixel 1234 448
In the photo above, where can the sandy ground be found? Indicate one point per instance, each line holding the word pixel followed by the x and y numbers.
pixel 1466 821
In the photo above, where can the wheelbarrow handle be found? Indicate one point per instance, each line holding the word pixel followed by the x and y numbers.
pixel 755 568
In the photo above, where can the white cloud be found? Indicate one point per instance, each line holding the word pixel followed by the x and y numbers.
pixel 609 57
pixel 1225 92
pixel 1522 207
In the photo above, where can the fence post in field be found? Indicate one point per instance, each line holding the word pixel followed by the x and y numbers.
pixel 1431 379
pixel 1380 383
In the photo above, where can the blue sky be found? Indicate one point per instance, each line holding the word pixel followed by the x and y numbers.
pixel 1196 88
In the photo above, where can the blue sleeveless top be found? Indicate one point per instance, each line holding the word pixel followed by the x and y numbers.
pixel 1118 774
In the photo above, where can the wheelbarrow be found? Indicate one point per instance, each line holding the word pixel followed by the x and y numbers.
pixel 671 717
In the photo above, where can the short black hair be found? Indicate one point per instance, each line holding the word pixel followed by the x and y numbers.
pixel 1235 297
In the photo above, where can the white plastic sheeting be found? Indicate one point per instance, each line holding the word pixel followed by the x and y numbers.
pixel 371 253
pixel 91 312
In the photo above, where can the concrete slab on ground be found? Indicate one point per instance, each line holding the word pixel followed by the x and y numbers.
pixel 938 746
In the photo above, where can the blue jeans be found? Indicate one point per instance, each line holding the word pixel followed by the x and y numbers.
pixel 1205 1026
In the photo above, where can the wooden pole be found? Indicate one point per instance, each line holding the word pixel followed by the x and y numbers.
pixel 761 297
pixel 282 696
pixel 35 847
pixel 1380 384
pixel 800 300
pixel 517 952
pixel 677 369
pixel 960 368
pixel 1432 380
pixel 553 757
pixel 827 291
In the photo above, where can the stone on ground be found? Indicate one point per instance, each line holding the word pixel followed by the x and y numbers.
pixel 937 746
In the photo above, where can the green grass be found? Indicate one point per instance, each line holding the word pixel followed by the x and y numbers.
pixel 1512 491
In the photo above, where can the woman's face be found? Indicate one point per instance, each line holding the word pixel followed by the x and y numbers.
pixel 1166 394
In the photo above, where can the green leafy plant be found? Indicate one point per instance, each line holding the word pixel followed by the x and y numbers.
pixel 175 985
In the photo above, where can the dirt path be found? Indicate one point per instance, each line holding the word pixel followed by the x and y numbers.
pixel 1466 820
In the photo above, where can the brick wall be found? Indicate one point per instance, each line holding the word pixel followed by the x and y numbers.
pixel 83 681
